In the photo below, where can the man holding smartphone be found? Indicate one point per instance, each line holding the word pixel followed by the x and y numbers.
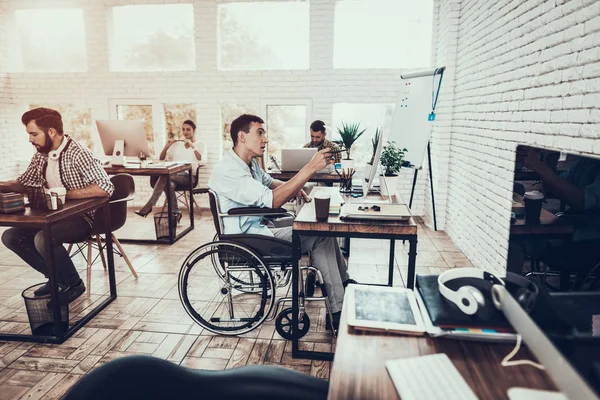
pixel 318 140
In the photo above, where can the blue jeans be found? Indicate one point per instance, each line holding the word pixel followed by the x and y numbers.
pixel 29 244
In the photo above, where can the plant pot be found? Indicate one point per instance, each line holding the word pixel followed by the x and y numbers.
pixel 347 164
pixel 390 186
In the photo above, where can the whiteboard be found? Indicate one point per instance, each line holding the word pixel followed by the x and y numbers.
pixel 410 126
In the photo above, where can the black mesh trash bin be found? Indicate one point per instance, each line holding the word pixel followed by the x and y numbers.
pixel 161 225
pixel 40 313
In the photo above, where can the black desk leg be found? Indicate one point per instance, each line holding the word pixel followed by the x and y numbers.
pixel 295 280
pixel 412 258
pixel 110 259
pixel 191 203
pixel 170 211
pixel 392 258
pixel 49 260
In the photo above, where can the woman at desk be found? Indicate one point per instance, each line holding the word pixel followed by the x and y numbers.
pixel 175 150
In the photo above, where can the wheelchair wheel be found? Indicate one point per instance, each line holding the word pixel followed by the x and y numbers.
pixel 226 303
pixel 283 324
pixel 247 284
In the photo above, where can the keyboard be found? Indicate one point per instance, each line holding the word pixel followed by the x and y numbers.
pixel 428 377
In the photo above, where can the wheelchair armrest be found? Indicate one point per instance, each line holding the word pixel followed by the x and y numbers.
pixel 258 211
pixel 574 216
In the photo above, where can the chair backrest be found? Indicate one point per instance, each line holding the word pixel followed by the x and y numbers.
pixel 124 191
pixel 213 200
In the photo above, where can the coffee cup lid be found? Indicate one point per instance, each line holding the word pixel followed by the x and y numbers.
pixel 534 195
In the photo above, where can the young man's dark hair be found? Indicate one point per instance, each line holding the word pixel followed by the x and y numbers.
pixel 44 118
pixel 242 123
pixel 318 126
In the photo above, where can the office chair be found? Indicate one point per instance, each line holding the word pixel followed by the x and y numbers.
pixel 150 378
pixel 124 192
pixel 228 286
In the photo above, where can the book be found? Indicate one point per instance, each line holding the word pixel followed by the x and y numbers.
pixel 382 308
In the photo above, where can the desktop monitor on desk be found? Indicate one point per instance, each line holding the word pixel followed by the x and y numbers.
pixel 565 336
pixel 122 139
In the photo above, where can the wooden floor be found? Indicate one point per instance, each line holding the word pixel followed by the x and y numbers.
pixel 148 318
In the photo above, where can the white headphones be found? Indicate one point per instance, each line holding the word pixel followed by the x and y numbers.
pixel 468 298
pixel 471 301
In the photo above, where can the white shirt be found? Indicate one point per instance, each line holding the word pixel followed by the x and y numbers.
pixel 178 152
pixel 52 169
pixel 240 185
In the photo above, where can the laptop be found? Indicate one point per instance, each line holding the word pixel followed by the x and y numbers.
pixel 293 160
pixel 379 212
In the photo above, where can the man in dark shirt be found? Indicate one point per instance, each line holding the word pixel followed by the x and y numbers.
pixel 318 141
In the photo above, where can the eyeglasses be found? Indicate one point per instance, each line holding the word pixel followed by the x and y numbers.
pixel 367 208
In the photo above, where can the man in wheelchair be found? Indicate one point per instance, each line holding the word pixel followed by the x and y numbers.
pixel 240 182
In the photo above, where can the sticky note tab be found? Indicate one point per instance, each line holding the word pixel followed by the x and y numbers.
pixel 431 117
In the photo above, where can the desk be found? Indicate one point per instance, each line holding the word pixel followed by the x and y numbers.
pixel 43 220
pixel 358 370
pixel 167 172
pixel 328 179
pixel 306 224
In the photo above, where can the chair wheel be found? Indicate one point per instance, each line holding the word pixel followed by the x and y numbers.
pixel 309 284
pixel 283 324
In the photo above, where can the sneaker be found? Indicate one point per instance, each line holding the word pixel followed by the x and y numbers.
pixel 43 290
pixel 336 320
pixel 71 292
pixel 349 282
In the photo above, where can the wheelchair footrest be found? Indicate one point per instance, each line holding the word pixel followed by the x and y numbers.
pixel 233 319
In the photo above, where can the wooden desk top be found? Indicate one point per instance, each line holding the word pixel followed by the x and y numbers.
pixel 359 371
pixel 306 221
pixel 39 218
pixel 286 176
pixel 549 224
pixel 135 170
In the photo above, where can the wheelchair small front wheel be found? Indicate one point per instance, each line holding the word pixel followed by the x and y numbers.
pixel 283 324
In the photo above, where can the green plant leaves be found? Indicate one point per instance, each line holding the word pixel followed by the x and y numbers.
pixel 391 158
pixel 349 133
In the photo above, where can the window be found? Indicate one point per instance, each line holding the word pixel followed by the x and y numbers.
pixel 269 35
pixel 77 121
pixel 370 117
pixel 229 112
pixel 175 114
pixel 48 41
pixel 286 128
pixel 152 38
pixel 135 112
pixel 382 34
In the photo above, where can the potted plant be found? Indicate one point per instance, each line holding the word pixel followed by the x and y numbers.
pixel 349 133
pixel 392 158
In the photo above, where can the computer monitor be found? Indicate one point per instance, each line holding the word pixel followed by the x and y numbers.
pixel 559 247
pixel 375 169
pixel 131 132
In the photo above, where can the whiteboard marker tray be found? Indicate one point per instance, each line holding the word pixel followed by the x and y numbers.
pixel 387 212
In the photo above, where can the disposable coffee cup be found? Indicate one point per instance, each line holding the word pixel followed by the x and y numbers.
pixel 322 200
pixel 57 193
pixel 533 206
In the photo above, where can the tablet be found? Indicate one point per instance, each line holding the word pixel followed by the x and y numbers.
pixel 384 308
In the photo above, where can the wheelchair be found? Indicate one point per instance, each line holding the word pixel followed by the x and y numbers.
pixel 228 286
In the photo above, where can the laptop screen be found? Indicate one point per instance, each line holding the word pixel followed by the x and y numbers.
pixel 555 236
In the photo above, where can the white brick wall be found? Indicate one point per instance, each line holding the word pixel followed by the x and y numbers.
pixel 525 72
pixel 7 150
pixel 207 87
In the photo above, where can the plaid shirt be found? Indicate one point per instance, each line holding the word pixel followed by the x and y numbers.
pixel 78 169
pixel 331 145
